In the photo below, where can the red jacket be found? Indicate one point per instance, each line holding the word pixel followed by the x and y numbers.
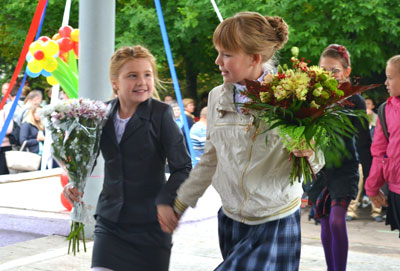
pixel 386 153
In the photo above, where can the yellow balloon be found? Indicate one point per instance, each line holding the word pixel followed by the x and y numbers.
pixel 50 64
pixel 75 35
pixel 50 48
pixel 51 80
pixel 35 46
pixel 35 65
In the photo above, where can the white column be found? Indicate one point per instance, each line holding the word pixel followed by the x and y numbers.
pixel 96 45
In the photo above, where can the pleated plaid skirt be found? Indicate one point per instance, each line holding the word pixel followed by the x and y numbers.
pixel 270 246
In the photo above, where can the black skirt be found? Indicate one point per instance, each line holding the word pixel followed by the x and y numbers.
pixel 130 247
pixel 393 211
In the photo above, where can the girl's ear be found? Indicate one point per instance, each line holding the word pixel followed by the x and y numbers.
pixel 114 85
pixel 347 72
pixel 256 59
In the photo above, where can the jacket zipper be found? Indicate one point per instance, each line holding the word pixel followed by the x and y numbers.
pixel 243 173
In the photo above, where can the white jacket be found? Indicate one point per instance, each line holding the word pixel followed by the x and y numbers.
pixel 251 177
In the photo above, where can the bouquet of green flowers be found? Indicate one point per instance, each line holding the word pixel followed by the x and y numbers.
pixel 307 105
pixel 75 126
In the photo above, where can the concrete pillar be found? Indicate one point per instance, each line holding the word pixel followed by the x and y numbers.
pixel 96 45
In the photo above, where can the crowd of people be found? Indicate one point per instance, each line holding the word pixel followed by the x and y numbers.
pixel 26 128
pixel 259 221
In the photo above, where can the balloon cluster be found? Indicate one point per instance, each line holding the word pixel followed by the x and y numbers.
pixel 56 59
pixel 64 181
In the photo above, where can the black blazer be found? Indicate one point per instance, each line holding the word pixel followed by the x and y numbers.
pixel 134 169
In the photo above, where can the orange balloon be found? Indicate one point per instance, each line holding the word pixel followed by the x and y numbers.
pixel 56 37
pixel 64 179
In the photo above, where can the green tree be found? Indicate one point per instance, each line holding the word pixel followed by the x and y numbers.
pixel 15 20
pixel 368 28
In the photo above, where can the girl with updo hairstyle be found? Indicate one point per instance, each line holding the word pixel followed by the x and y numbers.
pixel 259 222
pixel 334 192
pixel 140 135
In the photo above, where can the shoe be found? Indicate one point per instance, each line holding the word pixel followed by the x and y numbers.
pixel 349 218
pixel 378 218
pixel 365 202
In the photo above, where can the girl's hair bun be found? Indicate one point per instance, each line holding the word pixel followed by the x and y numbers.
pixel 281 29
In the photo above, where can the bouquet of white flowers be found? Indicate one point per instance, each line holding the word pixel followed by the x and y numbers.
pixel 75 126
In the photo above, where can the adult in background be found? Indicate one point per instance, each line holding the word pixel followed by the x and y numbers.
pixel 6 144
pixel 189 106
pixel 32 131
pixel 4 89
pixel 198 136
pixel 34 98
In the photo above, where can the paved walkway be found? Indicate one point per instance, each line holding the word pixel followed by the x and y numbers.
pixel 32 211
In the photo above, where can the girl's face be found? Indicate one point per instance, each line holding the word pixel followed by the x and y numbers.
pixel 237 66
pixel 335 66
pixel 36 115
pixel 392 80
pixel 135 82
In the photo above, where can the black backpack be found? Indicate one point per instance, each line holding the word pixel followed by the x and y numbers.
pixel 382 119
pixel 14 135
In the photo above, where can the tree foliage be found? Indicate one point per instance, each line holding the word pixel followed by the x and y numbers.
pixel 368 28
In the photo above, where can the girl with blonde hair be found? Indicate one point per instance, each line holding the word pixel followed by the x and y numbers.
pixel 32 130
pixel 259 222
pixel 138 138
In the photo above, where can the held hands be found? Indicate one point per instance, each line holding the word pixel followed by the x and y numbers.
pixel 71 193
pixel 167 218
pixel 379 200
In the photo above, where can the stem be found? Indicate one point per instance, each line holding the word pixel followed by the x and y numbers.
pixel 83 238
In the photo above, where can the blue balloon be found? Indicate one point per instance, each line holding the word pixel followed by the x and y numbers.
pixel 29 56
pixel 45 73
pixel 31 74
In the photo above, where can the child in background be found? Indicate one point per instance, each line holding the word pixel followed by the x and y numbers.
pixel 372 116
pixel 386 151
pixel 335 187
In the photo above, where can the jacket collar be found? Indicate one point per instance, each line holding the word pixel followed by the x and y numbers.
pixel 138 119
pixel 395 101
pixel 225 101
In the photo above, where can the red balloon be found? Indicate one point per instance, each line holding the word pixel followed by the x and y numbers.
pixel 64 179
pixel 39 55
pixel 44 38
pixel 66 44
pixel 76 49
pixel 65 202
pixel 65 31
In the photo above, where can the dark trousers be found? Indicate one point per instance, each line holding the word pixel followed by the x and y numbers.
pixel 3 164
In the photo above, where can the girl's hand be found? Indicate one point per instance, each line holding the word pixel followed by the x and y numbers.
pixel 71 193
pixel 167 218
pixel 379 200
pixel 303 153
